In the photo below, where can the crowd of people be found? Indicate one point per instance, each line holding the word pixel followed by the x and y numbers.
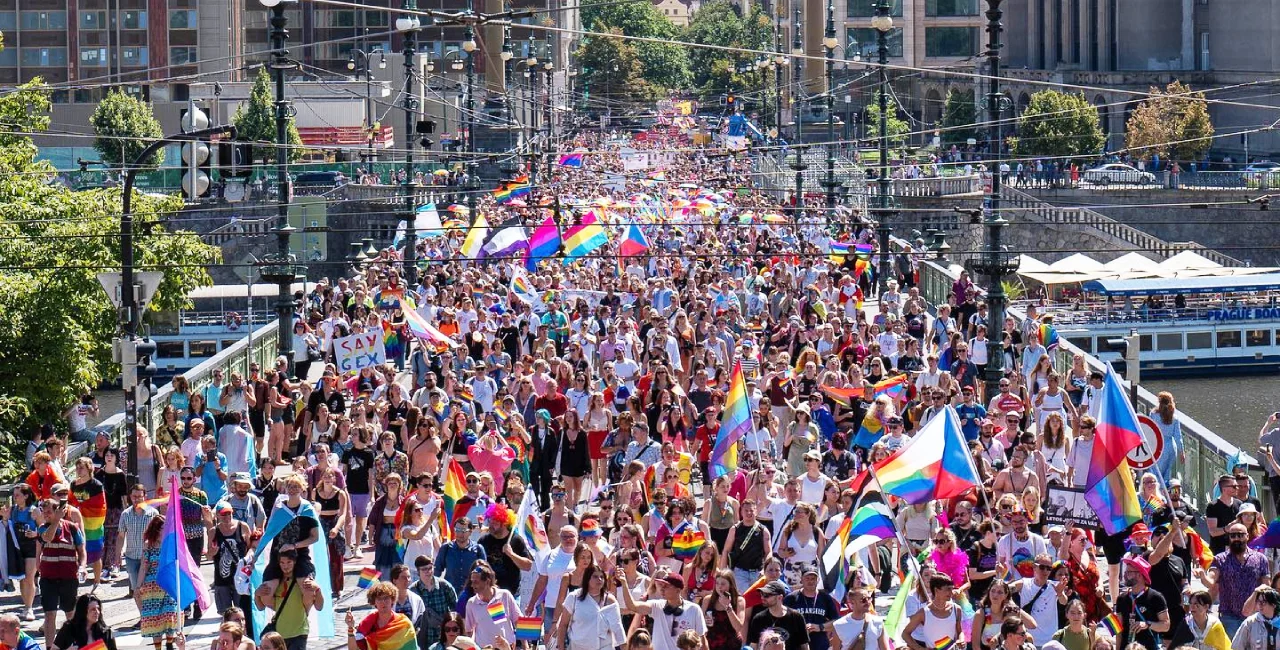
pixel 590 392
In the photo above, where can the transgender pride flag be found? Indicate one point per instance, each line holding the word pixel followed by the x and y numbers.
pixel 179 574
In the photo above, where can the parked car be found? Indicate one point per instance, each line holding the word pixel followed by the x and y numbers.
pixel 1117 173
pixel 1256 172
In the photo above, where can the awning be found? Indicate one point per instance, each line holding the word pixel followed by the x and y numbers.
pixel 1189 260
pixel 1130 262
pixel 1173 286
pixel 1077 263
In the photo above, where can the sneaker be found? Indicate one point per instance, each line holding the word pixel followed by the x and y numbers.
pixel 29 615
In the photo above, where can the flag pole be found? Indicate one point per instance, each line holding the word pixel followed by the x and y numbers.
pixel 903 547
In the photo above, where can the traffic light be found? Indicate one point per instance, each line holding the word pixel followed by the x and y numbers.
pixel 145 352
pixel 195 155
pixel 425 128
pixel 235 159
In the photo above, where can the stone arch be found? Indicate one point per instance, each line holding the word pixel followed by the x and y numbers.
pixel 934 101
pixel 1024 100
pixel 1104 114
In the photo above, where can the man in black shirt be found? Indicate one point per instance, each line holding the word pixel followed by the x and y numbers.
pixel 816 606
pixel 965 529
pixel 1169 573
pixel 508 554
pixel 1144 616
pixel 1222 512
pixel 773 615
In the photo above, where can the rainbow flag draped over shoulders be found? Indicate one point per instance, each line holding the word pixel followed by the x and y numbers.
pixel 735 422
pixel 1108 487
pixel 397 635
pixel 935 464
pixel 685 545
pixel 391 341
pixel 1049 336
pixel 91 499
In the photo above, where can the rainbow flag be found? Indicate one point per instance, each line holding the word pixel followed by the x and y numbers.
pixel 391 341
pixel 426 332
pixel 686 545
pixel 943 643
pixel 935 464
pixel 368 576
pixel 571 160
pixel 91 499
pixel 497 612
pixel 1112 623
pixel 843 396
pixel 511 191
pixel 529 523
pixel 1049 336
pixel 634 243
pixel 735 421
pixel 1108 488
pixel 860 268
pixel 866 526
pixel 863 250
pixel 839 250
pixel 895 387
pixel 100 644
pixel 455 487
pixel 585 237
pixel 1201 553
pixel 528 628
pixel 397 635
pixel 465 393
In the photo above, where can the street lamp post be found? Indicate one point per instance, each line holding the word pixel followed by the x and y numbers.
pixel 883 23
pixel 531 73
pixel 408 25
pixel 829 43
pixel 797 102
pixel 994 265
pixel 362 65
pixel 506 56
pixel 282 267
pixel 469 46
pixel 548 115
pixel 779 61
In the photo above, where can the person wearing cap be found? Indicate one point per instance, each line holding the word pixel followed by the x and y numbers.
pixel 817 607
pixel 813 482
pixel 1144 613
pixel 895 436
pixel 671 614
pixel 1234 574
pixel 228 544
pixel 773 614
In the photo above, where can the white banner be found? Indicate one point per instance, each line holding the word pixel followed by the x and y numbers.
pixel 359 351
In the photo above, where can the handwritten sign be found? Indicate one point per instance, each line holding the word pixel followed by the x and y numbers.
pixel 359 351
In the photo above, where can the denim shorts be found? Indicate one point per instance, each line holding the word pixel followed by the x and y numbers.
pixel 134 569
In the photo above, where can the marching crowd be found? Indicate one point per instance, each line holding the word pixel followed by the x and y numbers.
pixel 540 464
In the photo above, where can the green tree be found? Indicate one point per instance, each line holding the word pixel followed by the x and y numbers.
pixel 958 117
pixel 623 88
pixel 256 122
pixel 124 126
pixel 1172 123
pixel 1059 124
pixel 665 65
pixel 896 127
pixel 55 322
pixel 718 22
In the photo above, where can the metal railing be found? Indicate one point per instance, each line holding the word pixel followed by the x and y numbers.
pixel 1029 208
pixel 1206 452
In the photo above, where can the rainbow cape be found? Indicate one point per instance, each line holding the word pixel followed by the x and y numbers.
pixel 1108 488
pixel 397 635
pixel 686 545
pixel 735 421
pixel 91 499
pixel 935 464
pixel 391 341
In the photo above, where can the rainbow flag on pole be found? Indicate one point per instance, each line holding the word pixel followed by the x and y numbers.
pixel 1112 623
pixel 368 576
pixel 866 526
pixel 528 628
pixel 455 487
pixel 735 421
pixel 1109 484
pixel 497 612
pixel 933 465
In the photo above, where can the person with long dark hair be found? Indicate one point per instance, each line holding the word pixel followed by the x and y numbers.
pixel 84 627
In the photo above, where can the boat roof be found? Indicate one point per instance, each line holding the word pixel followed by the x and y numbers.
pixel 239 290
pixel 1173 286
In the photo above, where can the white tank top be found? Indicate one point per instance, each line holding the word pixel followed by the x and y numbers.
pixel 936 629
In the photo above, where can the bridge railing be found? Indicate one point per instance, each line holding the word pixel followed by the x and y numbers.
pixel 1207 453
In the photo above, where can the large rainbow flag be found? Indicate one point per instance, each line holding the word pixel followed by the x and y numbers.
pixel 529 524
pixel 735 421
pixel 895 387
pixel 397 635
pixel 455 487
pixel 391 341
pixel 91 499
pixel 1109 485
pixel 935 464
pixel 1049 336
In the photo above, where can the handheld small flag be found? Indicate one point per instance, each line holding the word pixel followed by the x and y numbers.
pixel 368 576
pixel 497 612
pixel 571 160
pixel 528 628
pixel 944 643
pixel 1112 623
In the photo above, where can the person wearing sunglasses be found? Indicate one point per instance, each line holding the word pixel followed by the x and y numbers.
pixel 1013 635
pixel 861 624
pixel 446 633
pixel 1040 597
pixel 1234 575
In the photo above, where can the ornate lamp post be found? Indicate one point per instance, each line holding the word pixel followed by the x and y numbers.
pixel 883 23
pixel 408 25
pixel 360 62
pixel 829 44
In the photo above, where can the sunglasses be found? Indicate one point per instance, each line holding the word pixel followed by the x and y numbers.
pixel 453 628
pixel 1044 567
pixel 1237 536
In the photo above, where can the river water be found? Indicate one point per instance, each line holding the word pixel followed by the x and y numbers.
pixel 1232 407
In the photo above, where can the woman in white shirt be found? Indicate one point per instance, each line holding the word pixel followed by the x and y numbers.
pixel 591 618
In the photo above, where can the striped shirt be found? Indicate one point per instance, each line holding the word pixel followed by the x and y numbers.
pixel 58 559
pixel 133 523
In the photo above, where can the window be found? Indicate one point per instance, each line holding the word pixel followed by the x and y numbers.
pixel 1169 341
pixel 44 56
pixel 1083 342
pixel 376 19
pixel 201 349
pixel 951 41
pixel 133 56
pixel 867 8
pixel 1229 339
pixel 9 57
pixel 342 18
pixel 182 55
pixel 92 20
pixel 863 40
pixel 951 8
pixel 94 57
pixel 182 18
pixel 44 19
pixel 134 20
pixel 8 20
pixel 1199 340
pixel 170 349
pixel 1257 338
pixel 89 95
pixel 1144 343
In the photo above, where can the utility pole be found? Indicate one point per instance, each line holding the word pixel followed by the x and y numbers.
pixel 829 43
pixel 410 120
pixel 282 267
pixel 883 23
pixel 469 46
pixel 995 263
